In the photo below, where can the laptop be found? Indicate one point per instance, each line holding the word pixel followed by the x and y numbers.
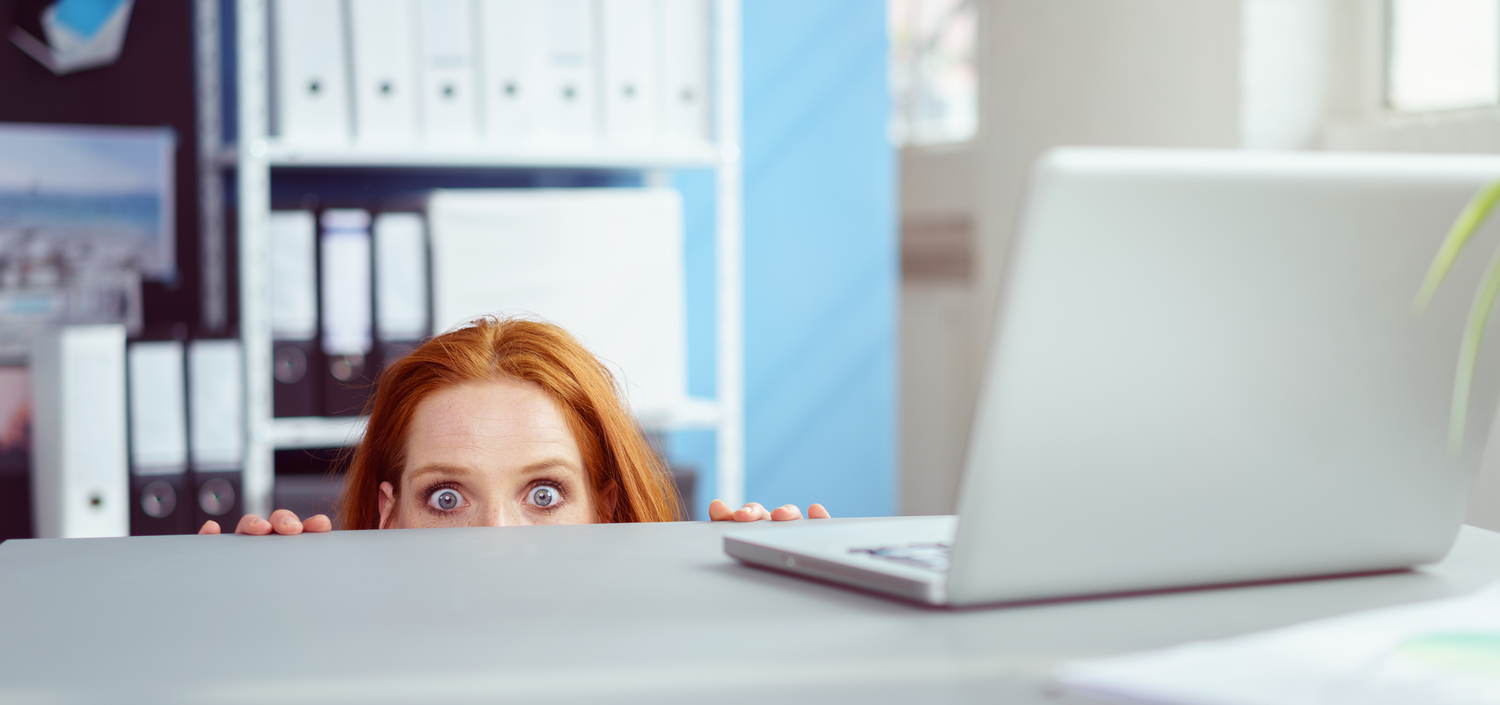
pixel 1206 369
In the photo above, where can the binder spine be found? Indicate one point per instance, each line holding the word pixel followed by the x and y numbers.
pixel 80 483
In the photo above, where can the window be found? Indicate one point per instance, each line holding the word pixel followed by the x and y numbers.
pixel 934 84
pixel 1443 54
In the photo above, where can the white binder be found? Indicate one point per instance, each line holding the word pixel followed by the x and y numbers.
pixel 684 95
pixel 384 74
pixel 309 74
pixel 569 103
pixel 629 48
pixel 80 483
pixel 513 39
pixel 294 275
pixel 606 264
pixel 449 102
pixel 345 283
pixel 400 277
pixel 216 402
pixel 158 414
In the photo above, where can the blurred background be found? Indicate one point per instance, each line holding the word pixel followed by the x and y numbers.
pixel 783 223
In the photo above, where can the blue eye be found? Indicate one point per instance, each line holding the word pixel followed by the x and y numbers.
pixel 446 500
pixel 542 496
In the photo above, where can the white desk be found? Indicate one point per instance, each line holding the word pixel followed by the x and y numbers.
pixel 585 613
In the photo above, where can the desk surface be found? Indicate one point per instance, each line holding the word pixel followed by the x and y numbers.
pixel 569 613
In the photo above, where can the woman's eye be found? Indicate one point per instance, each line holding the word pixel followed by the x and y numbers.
pixel 445 499
pixel 542 496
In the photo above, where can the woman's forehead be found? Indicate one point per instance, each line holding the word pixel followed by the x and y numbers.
pixel 489 423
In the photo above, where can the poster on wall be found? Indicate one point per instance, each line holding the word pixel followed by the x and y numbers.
pixel 86 213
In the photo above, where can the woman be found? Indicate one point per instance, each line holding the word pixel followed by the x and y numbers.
pixel 501 423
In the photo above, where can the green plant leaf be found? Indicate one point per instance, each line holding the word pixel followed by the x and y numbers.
pixel 1469 220
pixel 1468 353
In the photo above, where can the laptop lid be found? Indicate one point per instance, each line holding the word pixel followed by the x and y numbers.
pixel 1207 368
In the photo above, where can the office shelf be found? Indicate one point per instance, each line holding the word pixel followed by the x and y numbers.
pixel 279 153
pixel 316 431
pixel 688 414
pixel 340 431
pixel 264 153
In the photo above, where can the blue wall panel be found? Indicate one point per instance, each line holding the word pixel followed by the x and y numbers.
pixel 821 265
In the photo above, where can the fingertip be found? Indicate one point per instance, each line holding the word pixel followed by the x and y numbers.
pixel 318 524
pixel 817 511
pixel 246 524
pixel 210 528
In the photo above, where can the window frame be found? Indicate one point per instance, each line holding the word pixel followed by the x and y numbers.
pixel 1363 118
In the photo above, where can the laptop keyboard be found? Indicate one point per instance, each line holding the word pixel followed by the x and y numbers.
pixel 932 556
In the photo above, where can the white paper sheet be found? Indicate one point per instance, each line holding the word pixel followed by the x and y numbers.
pixel 1434 653
pixel 607 264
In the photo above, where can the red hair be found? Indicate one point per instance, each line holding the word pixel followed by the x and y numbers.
pixel 624 472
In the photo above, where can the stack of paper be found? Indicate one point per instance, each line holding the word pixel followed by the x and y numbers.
pixel 1432 653
pixel 605 264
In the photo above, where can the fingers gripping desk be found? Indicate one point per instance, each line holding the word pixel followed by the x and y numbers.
pixel 612 613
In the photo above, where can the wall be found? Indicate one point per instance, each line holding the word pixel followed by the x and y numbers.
pixel 820 263
pixel 1117 72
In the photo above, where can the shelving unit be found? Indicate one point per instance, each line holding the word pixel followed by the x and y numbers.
pixel 260 153
pixel 282 154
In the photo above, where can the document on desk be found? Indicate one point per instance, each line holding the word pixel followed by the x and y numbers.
pixel 1436 653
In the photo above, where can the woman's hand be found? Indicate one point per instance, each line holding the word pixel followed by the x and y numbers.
pixel 719 511
pixel 282 521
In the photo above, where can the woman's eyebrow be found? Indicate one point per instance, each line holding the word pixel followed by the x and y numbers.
pixel 533 468
pixel 541 466
pixel 439 468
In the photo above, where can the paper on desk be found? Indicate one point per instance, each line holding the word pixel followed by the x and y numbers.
pixel 1435 653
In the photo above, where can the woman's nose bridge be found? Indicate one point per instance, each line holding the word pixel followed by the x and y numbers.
pixel 497 515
